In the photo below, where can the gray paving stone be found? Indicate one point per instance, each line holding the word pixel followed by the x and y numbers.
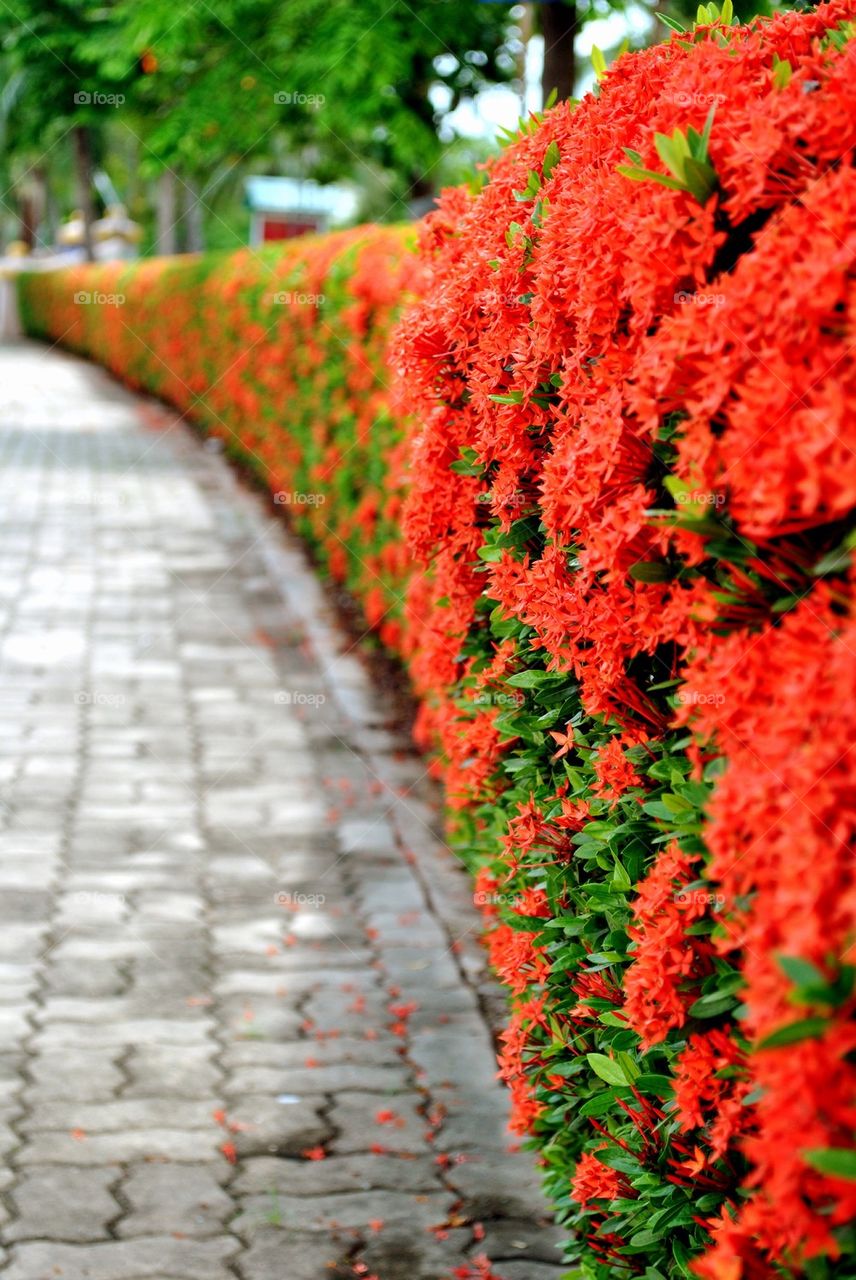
pixel 165 1071
pixel 507 1188
pixel 149 1258
pixel 186 1199
pixel 129 1032
pixel 67 1147
pixel 508 1238
pixel 530 1270
pixel 386 1080
pixel 363 1120
pixel 265 1126
pixel 347 1211
pixel 398 1252
pixel 320 1053
pixel 264 1175
pixel 124 1114
pixel 67 1204
pixel 276 1255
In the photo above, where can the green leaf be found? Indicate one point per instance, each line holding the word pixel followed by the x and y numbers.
pixel 514 397
pixel 660 1086
pixel 649 175
pixel 782 72
pixel 708 125
pixel 628 1064
pixel 713 1004
pixel 700 179
pixel 672 151
pixel 837 560
pixel 611 1019
pixel 650 571
pixel 837 1162
pixel 802 973
pixel 804 1029
pixel 552 156
pixel 598 62
pixel 608 1069
pixel 599 1105
pixel 531 679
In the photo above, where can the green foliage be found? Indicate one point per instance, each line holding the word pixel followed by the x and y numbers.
pixel 685 155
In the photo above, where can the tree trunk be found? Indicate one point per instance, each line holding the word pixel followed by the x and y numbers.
pixel 27 219
pixel 194 229
pixel 83 159
pixel 48 216
pixel 559 25
pixel 165 214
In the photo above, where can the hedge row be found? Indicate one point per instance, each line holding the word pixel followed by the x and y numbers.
pixel 626 392
pixel 280 352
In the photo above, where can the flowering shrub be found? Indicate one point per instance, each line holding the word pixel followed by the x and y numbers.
pixel 629 527
pixel 633 493
pixel 279 352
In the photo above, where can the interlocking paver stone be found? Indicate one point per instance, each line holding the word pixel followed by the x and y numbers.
pixel 187 1199
pixel 207 917
pixel 147 1258
pixel 54 1203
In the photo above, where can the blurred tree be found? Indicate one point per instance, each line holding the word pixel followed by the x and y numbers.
pixel 559 24
pixel 70 72
pixel 375 82
pixel 351 89
pixel 205 91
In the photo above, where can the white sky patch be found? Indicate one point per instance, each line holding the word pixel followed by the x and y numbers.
pixel 501 106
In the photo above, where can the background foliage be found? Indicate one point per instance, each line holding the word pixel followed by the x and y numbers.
pixel 186 100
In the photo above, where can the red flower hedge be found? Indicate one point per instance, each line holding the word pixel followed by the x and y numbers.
pixel 631 389
pixel 280 352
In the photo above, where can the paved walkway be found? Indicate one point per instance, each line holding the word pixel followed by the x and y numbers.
pixel 241 996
